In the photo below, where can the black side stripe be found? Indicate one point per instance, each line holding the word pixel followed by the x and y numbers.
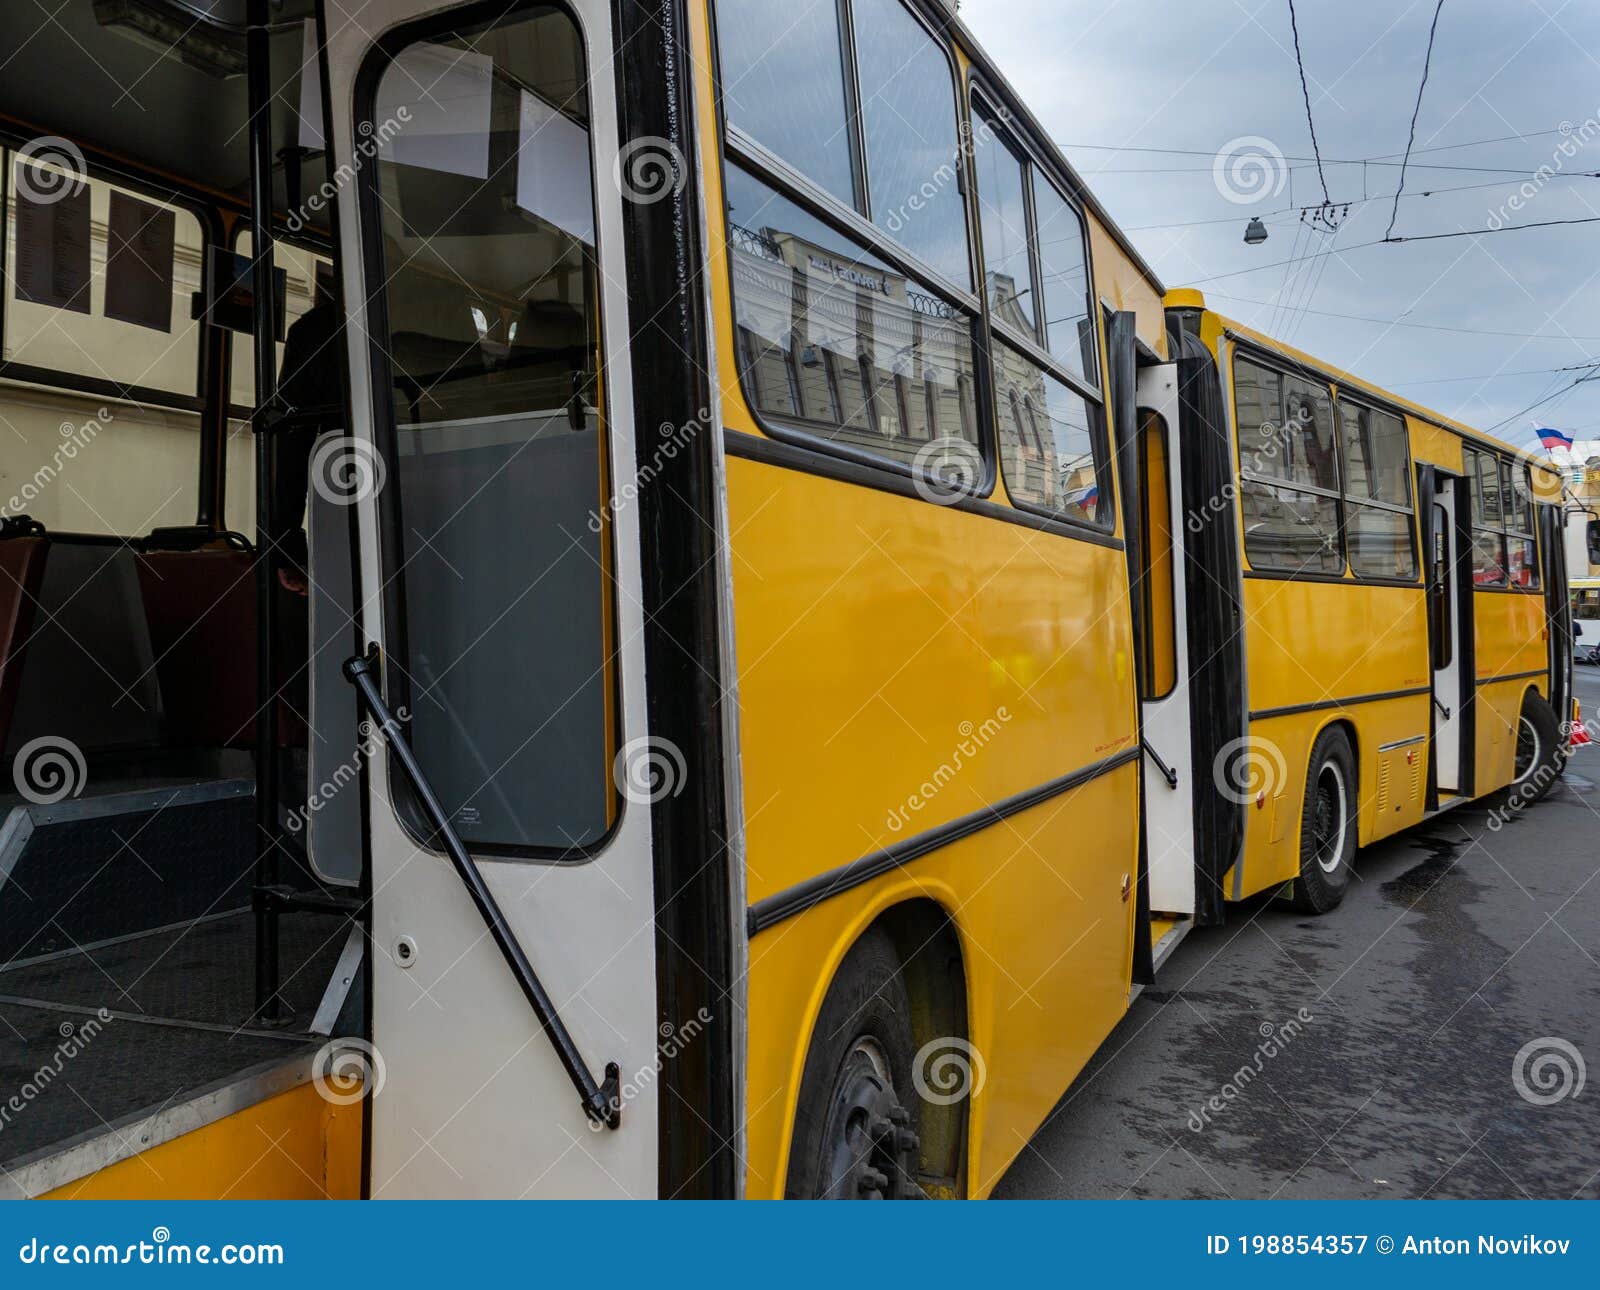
pixel 1297 708
pixel 1513 676
pixel 835 882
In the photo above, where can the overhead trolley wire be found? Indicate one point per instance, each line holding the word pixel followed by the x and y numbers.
pixel 1427 62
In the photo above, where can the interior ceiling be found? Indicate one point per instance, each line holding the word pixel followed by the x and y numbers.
pixel 67 75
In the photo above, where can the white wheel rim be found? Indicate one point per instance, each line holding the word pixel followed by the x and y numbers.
pixel 1336 856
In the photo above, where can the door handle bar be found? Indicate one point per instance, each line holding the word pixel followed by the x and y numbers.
pixel 602 1102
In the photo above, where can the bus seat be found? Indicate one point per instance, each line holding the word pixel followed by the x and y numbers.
pixel 21 573
pixel 201 609
pixel 89 675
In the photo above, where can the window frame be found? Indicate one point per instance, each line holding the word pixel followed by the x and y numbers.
pixel 1263 356
pixel 985 105
pixel 208 216
pixel 1353 503
pixel 738 149
pixel 383 54
pixel 1287 369
pixel 1505 466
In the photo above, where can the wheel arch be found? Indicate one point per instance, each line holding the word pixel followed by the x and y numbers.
pixel 930 943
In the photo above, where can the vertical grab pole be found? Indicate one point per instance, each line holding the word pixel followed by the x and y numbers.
pixel 259 94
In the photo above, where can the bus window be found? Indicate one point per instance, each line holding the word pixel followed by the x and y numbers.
pixel 1161 646
pixel 1290 473
pixel 798 283
pixel 1064 281
pixel 490 278
pixel 1377 479
pixel 769 53
pixel 908 110
pixel 98 281
pixel 1059 466
pixel 1003 216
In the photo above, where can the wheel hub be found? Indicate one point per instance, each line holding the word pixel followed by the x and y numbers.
pixel 871 1151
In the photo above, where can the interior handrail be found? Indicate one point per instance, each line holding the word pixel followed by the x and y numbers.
pixel 602 1102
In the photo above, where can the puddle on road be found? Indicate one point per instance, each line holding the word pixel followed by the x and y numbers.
pixel 1413 887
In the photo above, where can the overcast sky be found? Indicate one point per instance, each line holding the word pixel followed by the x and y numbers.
pixel 1130 75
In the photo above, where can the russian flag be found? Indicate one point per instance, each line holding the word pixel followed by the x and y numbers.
pixel 1554 438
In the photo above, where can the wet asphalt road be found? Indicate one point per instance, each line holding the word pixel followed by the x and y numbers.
pixel 1458 946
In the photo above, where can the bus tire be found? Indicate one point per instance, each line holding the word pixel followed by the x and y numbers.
pixel 1327 826
pixel 854 1136
pixel 1541 760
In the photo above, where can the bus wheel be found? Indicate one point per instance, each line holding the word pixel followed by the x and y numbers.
pixel 854 1139
pixel 1540 760
pixel 1327 827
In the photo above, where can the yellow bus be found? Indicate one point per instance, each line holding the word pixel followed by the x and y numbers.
pixel 787 633
pixel 1405 644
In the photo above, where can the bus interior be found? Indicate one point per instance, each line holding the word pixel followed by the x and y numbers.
pixel 176 942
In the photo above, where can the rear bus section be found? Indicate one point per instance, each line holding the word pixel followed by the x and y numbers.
pixel 1402 614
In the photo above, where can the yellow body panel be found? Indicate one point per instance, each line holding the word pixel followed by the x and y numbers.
pixel 295 1145
pixel 1123 286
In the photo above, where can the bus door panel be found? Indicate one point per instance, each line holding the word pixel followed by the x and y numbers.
pixel 1164 689
pixel 482 280
pixel 1444 633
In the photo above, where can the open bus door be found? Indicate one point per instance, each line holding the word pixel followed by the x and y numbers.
pixel 1164 689
pixel 536 1030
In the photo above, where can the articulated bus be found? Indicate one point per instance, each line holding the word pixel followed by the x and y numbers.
pixel 793 622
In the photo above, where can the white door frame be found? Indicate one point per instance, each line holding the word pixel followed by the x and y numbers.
pixel 1169 812
pixel 1447 723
